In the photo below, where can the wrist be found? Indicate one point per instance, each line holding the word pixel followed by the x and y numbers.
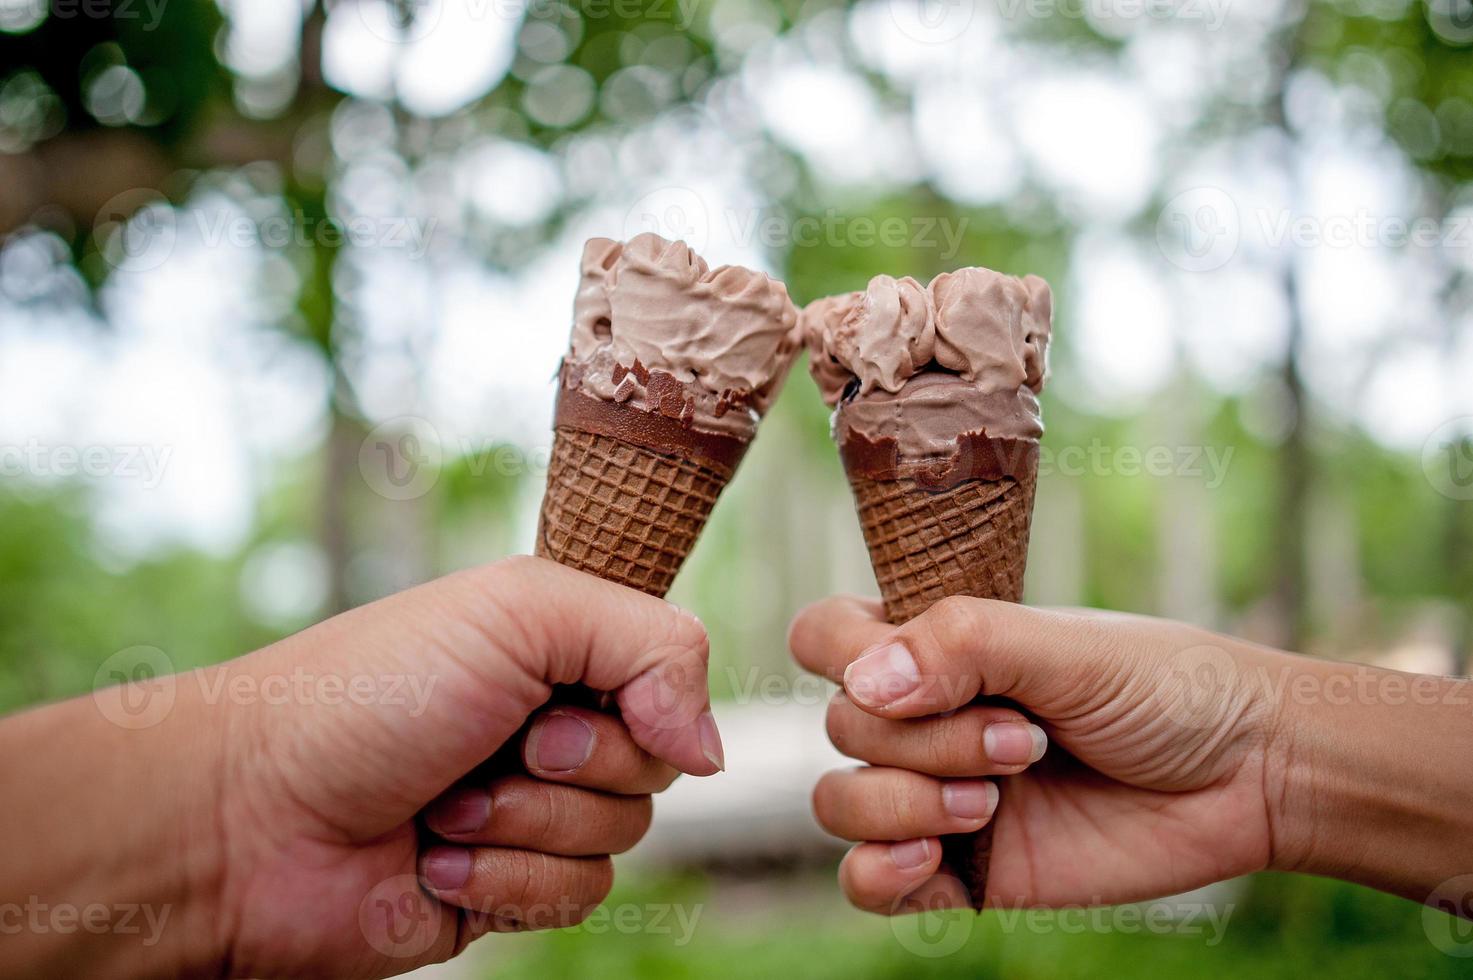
pixel 205 768
pixel 1363 783
pixel 111 863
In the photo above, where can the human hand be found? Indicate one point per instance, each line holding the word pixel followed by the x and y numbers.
pixel 1154 783
pixel 367 836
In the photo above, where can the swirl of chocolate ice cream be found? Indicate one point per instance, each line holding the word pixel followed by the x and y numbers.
pixel 953 396
pixel 656 329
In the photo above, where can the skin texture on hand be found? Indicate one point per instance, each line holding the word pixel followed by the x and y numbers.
pixel 365 835
pixel 1175 757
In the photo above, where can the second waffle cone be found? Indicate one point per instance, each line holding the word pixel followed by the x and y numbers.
pixel 926 544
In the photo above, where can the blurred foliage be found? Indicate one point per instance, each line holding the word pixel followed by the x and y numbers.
pixel 170 47
pixel 67 602
pixel 65 606
pixel 1283 929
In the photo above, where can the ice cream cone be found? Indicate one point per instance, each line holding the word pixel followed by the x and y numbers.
pixel 627 494
pixel 670 368
pixel 927 543
pixel 938 424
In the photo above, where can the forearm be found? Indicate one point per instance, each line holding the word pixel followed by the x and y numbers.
pixel 109 862
pixel 1372 776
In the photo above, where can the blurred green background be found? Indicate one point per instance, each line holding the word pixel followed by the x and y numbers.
pixel 283 284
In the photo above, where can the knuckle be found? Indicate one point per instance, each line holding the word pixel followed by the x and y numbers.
pixel 594 879
pixel 638 815
pixel 664 776
pixel 909 811
pixel 939 747
pixel 799 631
pixel 856 881
pixel 836 723
pixel 547 816
pixel 688 633
pixel 522 873
pixel 520 565
pixel 826 803
pixel 953 620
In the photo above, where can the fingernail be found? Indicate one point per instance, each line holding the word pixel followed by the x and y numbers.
pixel 882 676
pixel 970 801
pixel 1013 743
pixel 461 812
pixel 711 741
pixel 446 868
pixel 910 854
pixel 559 743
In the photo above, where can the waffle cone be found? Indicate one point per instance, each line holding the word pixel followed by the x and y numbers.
pixel 929 543
pixel 622 510
pixel 925 544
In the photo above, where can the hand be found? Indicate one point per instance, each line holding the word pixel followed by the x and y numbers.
pixel 366 835
pixel 1178 757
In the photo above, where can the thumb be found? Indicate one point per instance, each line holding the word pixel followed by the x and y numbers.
pixel 474 654
pixel 964 647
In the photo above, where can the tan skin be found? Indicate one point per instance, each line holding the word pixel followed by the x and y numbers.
pixel 367 838
pixel 316 836
pixel 1176 757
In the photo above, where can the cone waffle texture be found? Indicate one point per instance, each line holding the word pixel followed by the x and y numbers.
pixel 624 512
pixel 925 545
